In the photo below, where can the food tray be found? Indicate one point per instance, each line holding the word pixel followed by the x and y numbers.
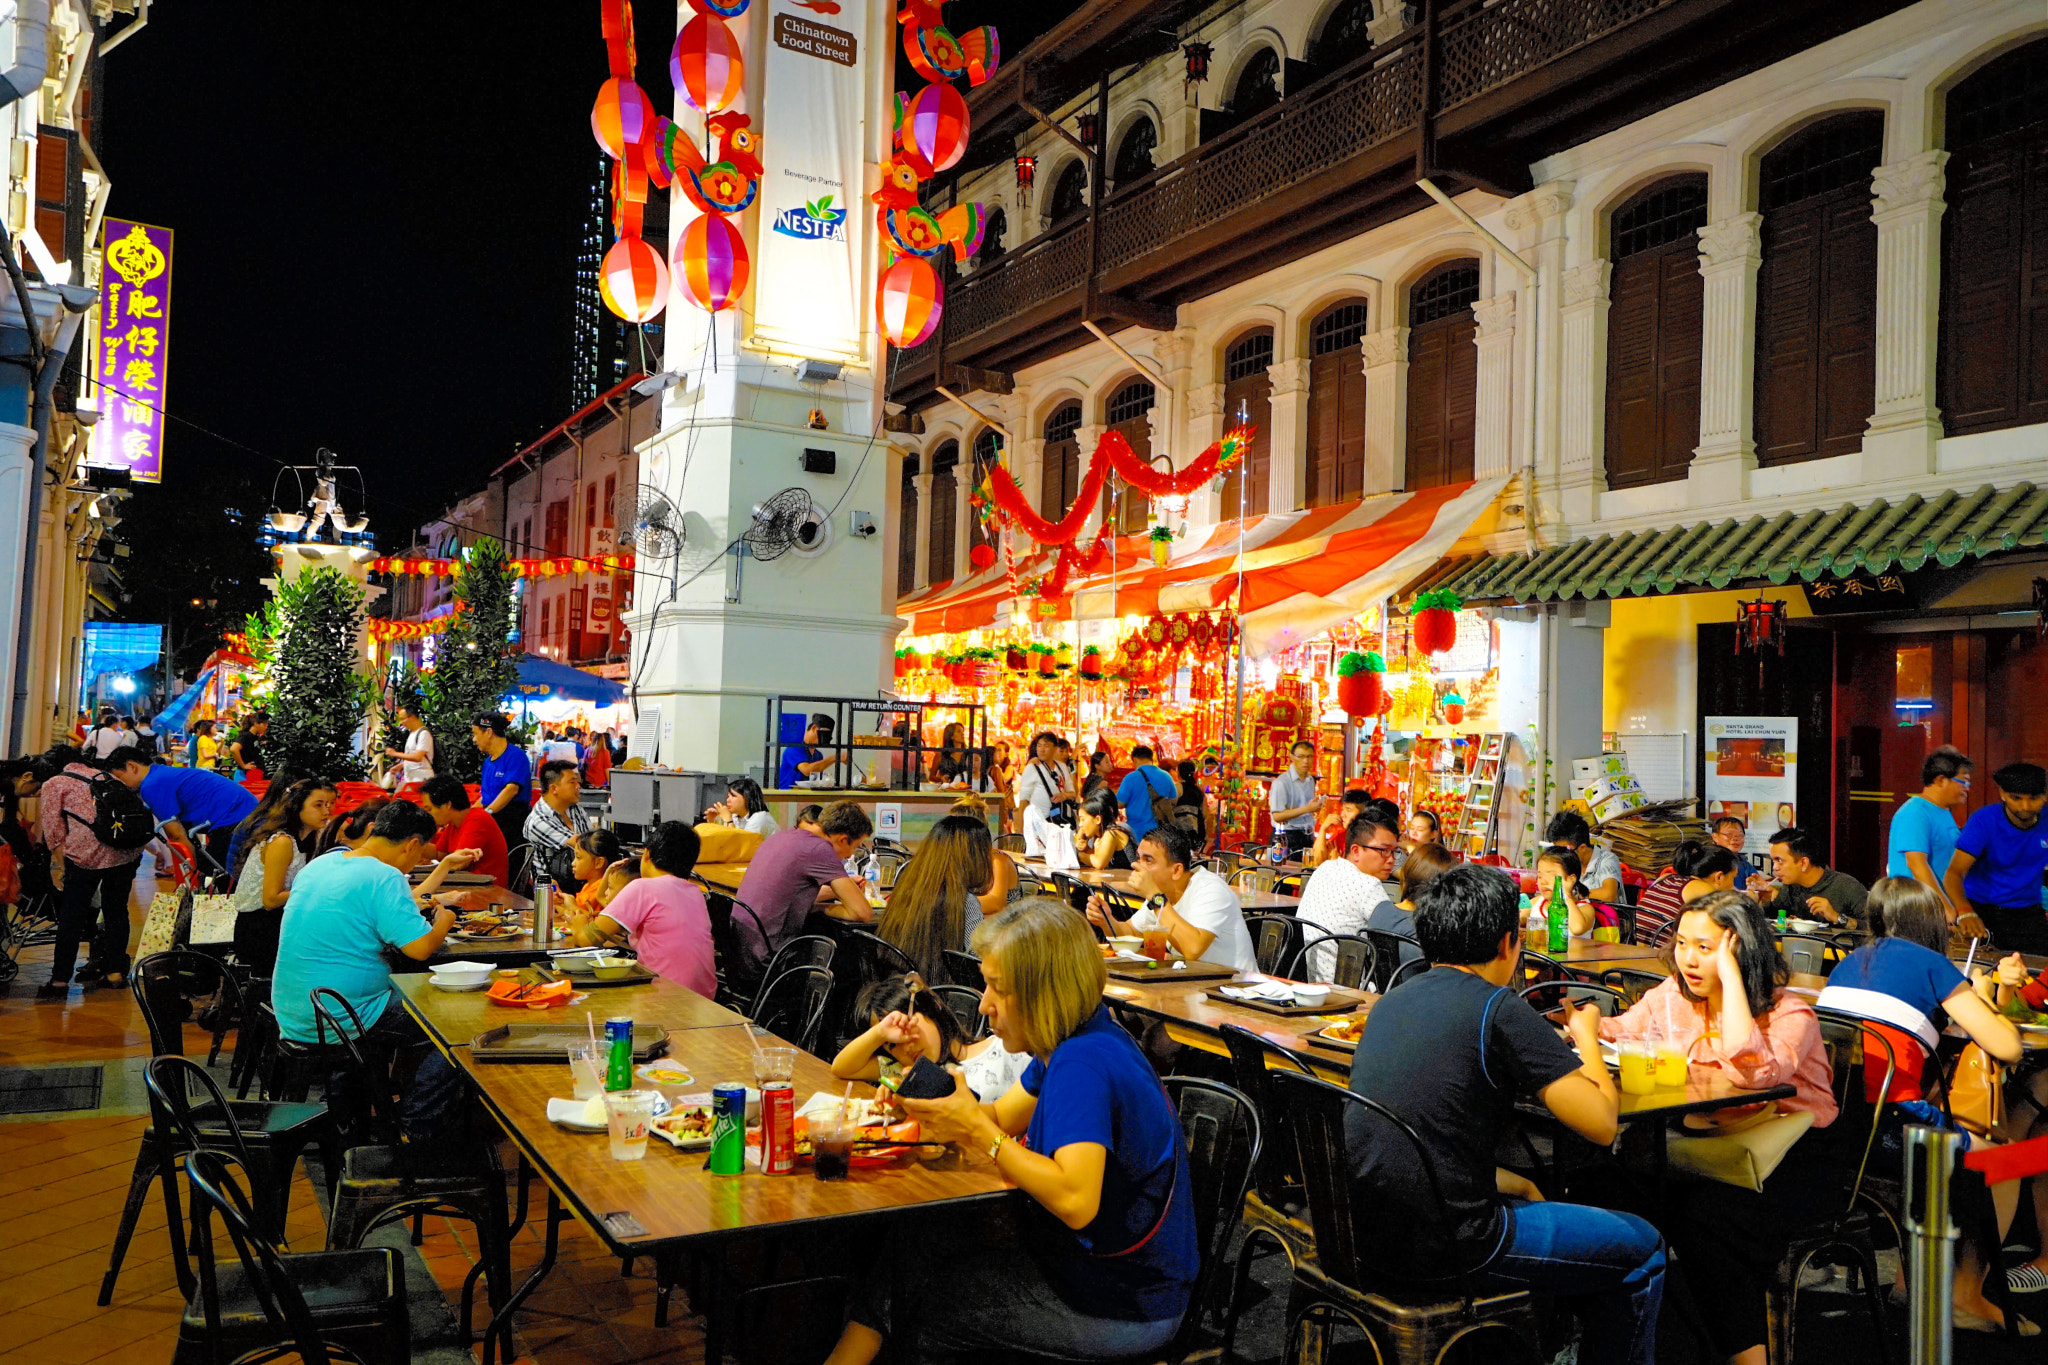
pixel 1321 1039
pixel 1124 970
pixel 455 878
pixel 1338 1001
pixel 592 981
pixel 550 1042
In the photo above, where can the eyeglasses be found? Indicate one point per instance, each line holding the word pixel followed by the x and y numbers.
pixel 1384 850
pixel 1962 782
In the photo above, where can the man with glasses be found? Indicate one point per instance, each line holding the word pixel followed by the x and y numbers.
pixel 1923 832
pixel 1731 834
pixel 1345 895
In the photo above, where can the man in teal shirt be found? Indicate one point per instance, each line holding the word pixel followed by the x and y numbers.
pixel 345 910
pixel 1144 781
pixel 1923 832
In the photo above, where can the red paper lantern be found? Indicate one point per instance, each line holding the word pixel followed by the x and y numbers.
pixel 982 555
pixel 706 64
pixel 1361 684
pixel 909 301
pixel 935 129
pixel 622 117
pixel 634 281
pixel 1435 629
pixel 712 263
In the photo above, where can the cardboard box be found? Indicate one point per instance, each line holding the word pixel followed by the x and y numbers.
pixel 1589 770
pixel 1613 784
pixel 1617 803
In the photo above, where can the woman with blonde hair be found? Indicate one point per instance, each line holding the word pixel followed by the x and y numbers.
pixel 937 896
pixel 1105 1257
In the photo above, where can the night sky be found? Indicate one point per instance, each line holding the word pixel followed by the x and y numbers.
pixel 377 209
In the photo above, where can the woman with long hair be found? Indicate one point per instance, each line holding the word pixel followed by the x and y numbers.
pixel 937 896
pixel 1003 889
pixel 278 848
pixel 238 842
pixel 1101 840
pixel 1195 799
pixel 744 807
pixel 951 763
pixel 350 830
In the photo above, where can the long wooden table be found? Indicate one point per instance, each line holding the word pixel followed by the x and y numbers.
pixel 452 1018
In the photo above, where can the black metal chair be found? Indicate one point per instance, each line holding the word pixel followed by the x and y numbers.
pixel 963 968
pixel 1275 1214
pixel 1412 1323
pixel 1633 982
pixel 875 957
pixel 266 1303
pixel 965 1002
pixel 273 1133
pixel 385 1181
pixel 1545 997
pixel 1536 967
pixel 1010 843
pixel 1351 961
pixel 792 1006
pixel 1276 941
pixel 806 950
pixel 1803 953
pixel 1395 958
pixel 737 982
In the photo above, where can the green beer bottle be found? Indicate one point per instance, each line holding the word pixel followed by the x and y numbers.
pixel 1558 918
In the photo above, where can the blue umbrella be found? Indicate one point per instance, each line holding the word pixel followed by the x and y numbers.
pixel 545 680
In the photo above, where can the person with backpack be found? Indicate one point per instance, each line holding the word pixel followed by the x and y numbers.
pixel 105 737
pixel 416 759
pixel 95 827
pixel 1147 794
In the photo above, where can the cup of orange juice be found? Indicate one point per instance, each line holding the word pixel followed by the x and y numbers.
pixel 1671 1064
pixel 1638 1068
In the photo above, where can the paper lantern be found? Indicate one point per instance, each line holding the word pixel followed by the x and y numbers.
pixel 1434 622
pixel 1361 684
pixel 981 555
pixel 909 301
pixel 622 117
pixel 934 53
pixel 634 280
pixel 724 9
pixel 935 129
pixel 983 53
pixel 706 64
pixel 712 263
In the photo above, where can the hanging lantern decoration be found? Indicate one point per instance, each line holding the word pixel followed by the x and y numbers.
pixel 908 303
pixel 634 280
pixel 706 64
pixel 1361 684
pixel 981 555
pixel 712 263
pixel 1197 56
pixel 1161 538
pixel 1027 171
pixel 1434 622
pixel 622 117
pixel 984 53
pixel 1454 708
pixel 1759 626
pixel 935 125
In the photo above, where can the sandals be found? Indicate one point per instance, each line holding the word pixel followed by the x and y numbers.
pixel 2026 1279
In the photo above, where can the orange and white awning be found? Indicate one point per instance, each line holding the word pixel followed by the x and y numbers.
pixel 1299 572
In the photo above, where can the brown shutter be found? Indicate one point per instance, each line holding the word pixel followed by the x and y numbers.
pixel 1653 366
pixel 1252 479
pixel 1134 509
pixel 1325 426
pixel 1351 426
pixel 1336 404
pixel 906 533
pixel 1788 336
pixel 53 191
pixel 944 487
pixel 1443 383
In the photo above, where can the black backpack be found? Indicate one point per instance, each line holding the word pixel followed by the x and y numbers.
pixel 121 819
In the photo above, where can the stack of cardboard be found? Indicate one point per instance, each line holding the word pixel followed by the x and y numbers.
pixel 1645 837
pixel 1606 786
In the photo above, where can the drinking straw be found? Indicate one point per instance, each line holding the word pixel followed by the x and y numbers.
pixel 845 1103
pixel 591 1024
pixel 1970 959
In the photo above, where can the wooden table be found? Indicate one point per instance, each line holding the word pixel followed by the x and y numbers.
pixel 1252 902
pixel 452 1018
pixel 1582 952
pixel 1195 1021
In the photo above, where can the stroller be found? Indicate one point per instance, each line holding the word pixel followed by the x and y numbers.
pixel 28 907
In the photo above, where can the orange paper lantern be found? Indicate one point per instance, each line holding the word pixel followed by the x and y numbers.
pixel 935 129
pixel 706 64
pixel 712 263
pixel 622 117
pixel 909 301
pixel 634 281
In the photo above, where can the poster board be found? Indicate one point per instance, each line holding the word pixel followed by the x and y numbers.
pixel 1752 773
pixel 646 733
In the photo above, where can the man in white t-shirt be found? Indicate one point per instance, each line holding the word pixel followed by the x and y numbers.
pixel 416 759
pixel 1197 909
pixel 1343 893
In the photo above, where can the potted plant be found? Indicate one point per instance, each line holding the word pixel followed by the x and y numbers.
pixel 1091 663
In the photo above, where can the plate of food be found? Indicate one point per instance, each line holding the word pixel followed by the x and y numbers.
pixel 664 1072
pixel 1342 1034
pixel 687 1127
pixel 520 994
pixel 876 1144
pixel 475 932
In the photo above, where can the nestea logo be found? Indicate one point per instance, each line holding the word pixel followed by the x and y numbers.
pixel 816 221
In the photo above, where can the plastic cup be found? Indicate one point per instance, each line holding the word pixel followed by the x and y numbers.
pixel 629 1114
pixel 586 1069
pixel 1638 1069
pixel 1156 945
pixel 773 1064
pixel 1671 1069
pixel 831 1146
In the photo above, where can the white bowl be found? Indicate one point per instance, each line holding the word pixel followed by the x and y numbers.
pixel 458 984
pixel 463 974
pixel 1308 993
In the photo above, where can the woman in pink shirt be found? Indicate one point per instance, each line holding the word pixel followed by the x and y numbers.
pixel 1725 1002
pixel 663 913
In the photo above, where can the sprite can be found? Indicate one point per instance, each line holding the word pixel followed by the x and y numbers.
pixel 728 1129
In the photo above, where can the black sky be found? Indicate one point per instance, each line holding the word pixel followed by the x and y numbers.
pixel 377 209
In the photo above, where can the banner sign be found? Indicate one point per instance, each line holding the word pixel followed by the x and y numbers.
pixel 810 296
pixel 135 349
pixel 1753 774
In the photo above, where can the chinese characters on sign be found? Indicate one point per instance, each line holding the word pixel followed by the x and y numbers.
pixel 135 347
pixel 1891 590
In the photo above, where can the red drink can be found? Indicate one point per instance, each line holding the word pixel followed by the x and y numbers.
pixel 778 1128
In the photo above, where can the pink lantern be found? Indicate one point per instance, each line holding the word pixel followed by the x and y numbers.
pixel 909 301
pixel 634 280
pixel 711 263
pixel 622 117
pixel 935 129
pixel 706 64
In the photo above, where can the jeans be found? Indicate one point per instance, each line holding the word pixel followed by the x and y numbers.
pixel 77 918
pixel 1610 1264
pixel 434 1096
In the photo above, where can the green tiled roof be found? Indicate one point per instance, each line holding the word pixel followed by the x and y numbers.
pixel 1870 536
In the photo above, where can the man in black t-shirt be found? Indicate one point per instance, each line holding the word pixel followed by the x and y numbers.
pixel 1450 1052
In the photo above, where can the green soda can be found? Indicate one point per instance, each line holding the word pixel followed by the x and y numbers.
pixel 728 1129
pixel 618 1037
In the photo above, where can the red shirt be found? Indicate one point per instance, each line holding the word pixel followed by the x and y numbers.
pixel 475 828
pixel 597 764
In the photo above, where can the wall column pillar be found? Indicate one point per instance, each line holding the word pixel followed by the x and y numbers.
pixel 1205 427
pixel 1386 409
pixel 1582 392
pixel 1287 479
pixel 922 482
pixel 1900 440
pixel 1493 432
pixel 17 479
pixel 1730 252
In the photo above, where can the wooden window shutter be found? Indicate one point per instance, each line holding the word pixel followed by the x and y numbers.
pixel 558 527
pixel 906 532
pixel 1336 405
pixel 53 190
pixel 1060 477
pixel 1248 398
pixel 1653 334
pixel 1129 411
pixel 1816 291
pixel 1443 376
pixel 944 495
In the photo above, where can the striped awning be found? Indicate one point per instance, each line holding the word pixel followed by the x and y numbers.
pixel 1865 537
pixel 1292 574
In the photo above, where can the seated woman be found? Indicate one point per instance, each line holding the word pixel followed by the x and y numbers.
pixel 1588 918
pixel 905 1022
pixel 937 897
pixel 663 913
pixel 1726 1004
pixel 1105 1256
pixel 950 764
pixel 1658 906
pixel 744 808
pixel 1711 871
pixel 1003 889
pixel 1902 983
pixel 277 848
pixel 1100 841
pixel 349 832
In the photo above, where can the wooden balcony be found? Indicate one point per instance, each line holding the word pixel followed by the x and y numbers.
pixel 1473 95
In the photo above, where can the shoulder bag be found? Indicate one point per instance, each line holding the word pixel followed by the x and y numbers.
pixel 1743 1155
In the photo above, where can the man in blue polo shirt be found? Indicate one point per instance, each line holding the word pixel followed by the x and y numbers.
pixel 1995 873
pixel 1923 832
pixel 1139 786
pixel 185 799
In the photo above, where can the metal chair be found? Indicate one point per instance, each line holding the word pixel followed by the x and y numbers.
pixel 1275 1216
pixel 875 957
pixel 1633 982
pixel 729 952
pixel 792 1006
pixel 1010 843
pixel 1257 880
pixel 1350 960
pixel 267 1303
pixel 1546 997
pixel 964 969
pixel 1395 958
pixel 1416 1322
pixel 806 950
pixel 1805 954
pixel 1537 967
pixel 965 1003
pixel 1276 939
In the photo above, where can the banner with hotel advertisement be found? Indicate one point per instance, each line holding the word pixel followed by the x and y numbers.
pixel 134 345
pixel 809 289
pixel 1753 774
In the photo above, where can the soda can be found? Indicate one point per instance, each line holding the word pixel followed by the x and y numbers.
pixel 618 1038
pixel 778 1128
pixel 728 1129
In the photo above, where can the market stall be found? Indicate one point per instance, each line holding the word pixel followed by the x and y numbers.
pixel 217 690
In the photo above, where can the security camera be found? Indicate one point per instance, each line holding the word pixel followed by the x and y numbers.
pixel 862 524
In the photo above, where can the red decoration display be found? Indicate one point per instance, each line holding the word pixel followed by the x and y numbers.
pixel 634 280
pixel 712 263
pixel 706 64
pixel 1112 453
pixel 1434 622
pixel 907 302
pixel 981 555
pixel 1361 685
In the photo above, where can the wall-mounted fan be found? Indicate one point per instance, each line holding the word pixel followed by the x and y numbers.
pixel 650 525
pixel 788 522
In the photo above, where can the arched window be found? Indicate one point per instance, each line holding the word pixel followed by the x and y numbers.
pixel 1060 476
pixel 1247 398
pixel 1134 153
pixel 1443 375
pixel 992 239
pixel 1258 85
pixel 987 447
pixel 1345 34
pixel 1070 191
pixel 1129 411
pixel 906 530
pixel 1336 405
pixel 1993 359
pixel 945 511
pixel 1816 291
pixel 1653 333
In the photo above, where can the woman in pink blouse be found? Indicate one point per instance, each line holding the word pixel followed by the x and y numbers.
pixel 1725 1002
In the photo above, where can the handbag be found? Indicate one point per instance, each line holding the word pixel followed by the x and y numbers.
pixel 1744 1156
pixel 1976 1094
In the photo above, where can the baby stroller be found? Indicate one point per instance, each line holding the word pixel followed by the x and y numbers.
pixel 190 867
pixel 28 907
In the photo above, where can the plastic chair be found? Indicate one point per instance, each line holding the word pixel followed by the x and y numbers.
pixel 792 1006
pixel 965 1003
pixel 964 969
pixel 1351 962
pixel 1275 1216
pixel 806 950
pixel 1633 982
pixel 1546 997
pixel 267 1303
pixel 1276 939
pixel 1412 1323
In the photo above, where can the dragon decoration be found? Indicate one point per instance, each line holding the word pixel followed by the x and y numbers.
pixel 710 258
pixel 930 135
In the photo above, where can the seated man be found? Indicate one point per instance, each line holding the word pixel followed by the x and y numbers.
pixel 345 910
pixel 1343 893
pixel 793 872
pixel 802 763
pixel 1330 834
pixel 461 825
pixel 1807 887
pixel 663 913
pixel 1599 869
pixel 1449 1053
pixel 555 822
pixel 1196 908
